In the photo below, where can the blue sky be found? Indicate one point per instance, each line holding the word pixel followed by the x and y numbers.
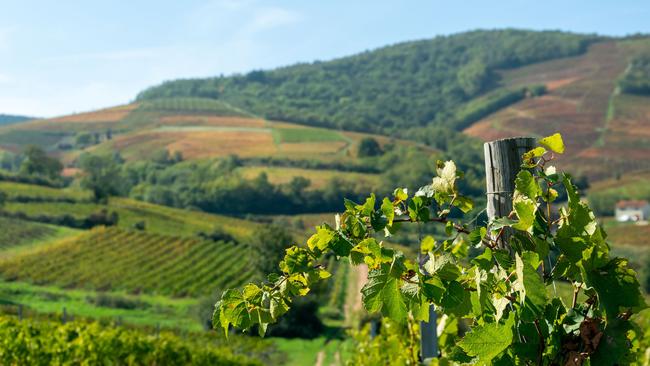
pixel 60 57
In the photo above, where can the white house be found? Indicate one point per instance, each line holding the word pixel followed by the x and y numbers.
pixel 633 210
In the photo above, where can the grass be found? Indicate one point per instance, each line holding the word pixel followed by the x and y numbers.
pixel 136 262
pixel 303 352
pixel 150 311
pixel 14 190
pixel 318 178
pixel 296 135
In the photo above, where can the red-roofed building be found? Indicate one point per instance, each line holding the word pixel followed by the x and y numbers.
pixel 632 210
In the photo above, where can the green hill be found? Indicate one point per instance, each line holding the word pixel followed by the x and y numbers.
pixel 409 84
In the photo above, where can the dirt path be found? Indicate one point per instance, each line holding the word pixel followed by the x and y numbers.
pixel 353 303
pixel 320 358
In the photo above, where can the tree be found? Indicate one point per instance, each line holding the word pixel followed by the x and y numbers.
pixel 38 163
pixel 268 244
pixel 369 147
pixel 101 175
pixel 83 139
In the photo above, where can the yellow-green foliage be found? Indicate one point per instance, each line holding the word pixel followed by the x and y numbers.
pixel 30 191
pixel 76 343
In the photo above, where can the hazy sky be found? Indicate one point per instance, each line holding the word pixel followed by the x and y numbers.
pixel 59 57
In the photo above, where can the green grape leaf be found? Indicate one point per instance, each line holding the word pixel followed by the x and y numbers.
pixel 525 210
pixel 530 284
pixel 417 210
pixel 553 143
pixel 388 210
pixel 484 260
pixel 401 194
pixel 321 239
pixel 443 266
pixel 296 260
pixel 488 341
pixel 382 293
pixel 465 204
pixel 341 246
pixel 477 235
pixel 500 223
pixel 427 245
pixel 526 184
pixel 456 299
pixel 617 287
pixel 232 310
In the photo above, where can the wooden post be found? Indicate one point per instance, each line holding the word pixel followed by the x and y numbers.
pixel 502 163
pixel 428 330
pixel 429 337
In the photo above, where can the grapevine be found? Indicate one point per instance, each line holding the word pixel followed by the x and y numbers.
pixel 506 291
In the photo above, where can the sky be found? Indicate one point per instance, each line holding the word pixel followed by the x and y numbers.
pixel 67 56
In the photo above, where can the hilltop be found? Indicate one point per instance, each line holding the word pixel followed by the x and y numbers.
pixel 409 84
pixel 8 119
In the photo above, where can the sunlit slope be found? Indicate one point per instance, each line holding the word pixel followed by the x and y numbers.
pixel 35 202
pixel 195 127
pixel 607 132
pixel 133 261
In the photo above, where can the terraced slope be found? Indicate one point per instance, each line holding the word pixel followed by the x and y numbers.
pixel 606 132
pixel 132 261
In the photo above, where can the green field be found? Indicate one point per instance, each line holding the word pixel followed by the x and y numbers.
pixel 16 191
pixel 136 262
pixel 295 135
pixel 141 310
pixel 318 177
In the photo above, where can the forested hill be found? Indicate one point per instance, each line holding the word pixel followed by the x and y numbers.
pixel 7 119
pixel 405 85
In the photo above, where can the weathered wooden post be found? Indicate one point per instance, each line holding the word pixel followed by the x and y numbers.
pixel 429 337
pixel 428 330
pixel 502 163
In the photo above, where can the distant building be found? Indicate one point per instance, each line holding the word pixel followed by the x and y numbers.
pixel 633 210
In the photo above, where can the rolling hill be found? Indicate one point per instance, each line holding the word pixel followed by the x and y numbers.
pixel 8 119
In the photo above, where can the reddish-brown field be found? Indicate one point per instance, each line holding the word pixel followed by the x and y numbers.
pixel 114 114
pixel 603 130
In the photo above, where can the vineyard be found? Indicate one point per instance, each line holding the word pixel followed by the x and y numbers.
pixel 136 262
pixel 193 105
